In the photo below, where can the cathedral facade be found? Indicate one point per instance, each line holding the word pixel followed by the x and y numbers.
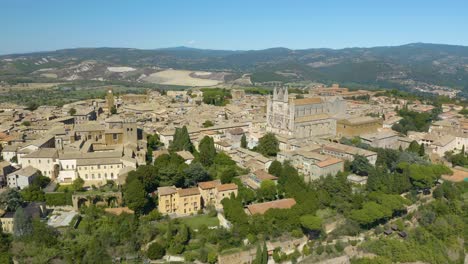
pixel 305 117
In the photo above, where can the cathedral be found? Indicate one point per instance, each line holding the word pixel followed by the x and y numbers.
pixel 303 118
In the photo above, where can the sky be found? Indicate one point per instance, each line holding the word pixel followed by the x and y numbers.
pixel 42 25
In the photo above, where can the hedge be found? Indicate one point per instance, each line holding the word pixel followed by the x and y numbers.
pixel 58 198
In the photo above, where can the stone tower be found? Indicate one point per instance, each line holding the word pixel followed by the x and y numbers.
pixel 110 100
pixel 280 117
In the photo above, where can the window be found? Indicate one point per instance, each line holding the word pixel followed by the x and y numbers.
pixel 112 175
pixel 99 176
pixel 92 176
pixel 105 175
pixel 114 136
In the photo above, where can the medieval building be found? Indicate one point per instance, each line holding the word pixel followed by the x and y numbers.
pixel 304 117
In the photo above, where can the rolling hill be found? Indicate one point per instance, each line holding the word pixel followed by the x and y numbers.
pixel 411 66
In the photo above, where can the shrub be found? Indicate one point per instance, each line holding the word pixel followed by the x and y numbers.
pixel 339 246
pixel 156 251
pixel 329 249
pixel 58 199
pixel 319 250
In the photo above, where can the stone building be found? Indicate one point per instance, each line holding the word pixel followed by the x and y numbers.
pixel 303 118
pixel 356 126
pixel 22 178
pixel 172 200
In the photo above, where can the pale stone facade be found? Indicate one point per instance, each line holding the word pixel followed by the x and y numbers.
pixel 172 200
pixel 303 118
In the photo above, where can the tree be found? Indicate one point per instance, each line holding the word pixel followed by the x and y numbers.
pixel 10 200
pixel 147 175
pixel 275 168
pixel 113 110
pixel 181 140
pixel 22 223
pixel 194 174
pixel 258 255
pixel 41 181
pixel 207 151
pixel 153 142
pixel 227 175
pixel 156 251
pixel 33 193
pixel 413 147
pixel 208 123
pixel 264 254
pixel 135 196
pixel 360 165
pixel 243 142
pixel 421 151
pixel 32 106
pixel 268 145
pixel 72 111
pixel 311 224
pixel 78 184
pixel 267 190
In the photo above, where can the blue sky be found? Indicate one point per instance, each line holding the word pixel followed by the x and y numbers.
pixel 38 25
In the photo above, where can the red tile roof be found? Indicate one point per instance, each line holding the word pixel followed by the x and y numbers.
pixel 209 184
pixel 261 208
pixel 227 187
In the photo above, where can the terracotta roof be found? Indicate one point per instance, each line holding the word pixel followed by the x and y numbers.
pixel 227 187
pixel 261 208
pixel 188 191
pixel 263 175
pixel 166 190
pixel 306 101
pixel 209 184
pixel 185 155
pixel 328 162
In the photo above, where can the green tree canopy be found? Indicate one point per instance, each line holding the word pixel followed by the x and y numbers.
pixel 243 142
pixel 181 140
pixel 135 196
pixel 207 151
pixel 194 174
pixel 10 200
pixel 275 168
pixel 156 251
pixel 361 166
pixel 268 145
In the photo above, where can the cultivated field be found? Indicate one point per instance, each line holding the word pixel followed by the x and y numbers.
pixel 181 77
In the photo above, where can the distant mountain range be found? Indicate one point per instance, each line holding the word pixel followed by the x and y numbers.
pixel 414 66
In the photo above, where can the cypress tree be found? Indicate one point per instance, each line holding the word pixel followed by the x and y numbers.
pixel 421 150
pixel 207 151
pixel 264 254
pixel 258 255
pixel 243 141
pixel 181 140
